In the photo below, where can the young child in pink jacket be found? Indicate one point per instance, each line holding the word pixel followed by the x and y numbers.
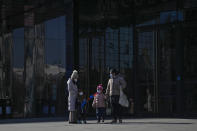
pixel 99 103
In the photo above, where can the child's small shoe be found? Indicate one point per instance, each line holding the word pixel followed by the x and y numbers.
pixel 79 122
pixel 113 121
pixel 98 121
pixel 120 120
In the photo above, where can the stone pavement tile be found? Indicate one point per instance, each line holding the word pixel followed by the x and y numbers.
pixel 127 125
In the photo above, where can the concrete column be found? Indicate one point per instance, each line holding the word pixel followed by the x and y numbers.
pixel 6 56
pixel 76 33
pixel 29 36
pixel 39 66
pixel 69 41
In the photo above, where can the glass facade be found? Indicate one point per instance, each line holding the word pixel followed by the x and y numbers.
pixel 33 57
pixel 149 49
pixel 157 63
pixel 18 70
pixel 101 50
pixel 55 64
pixel 152 45
pixel 190 61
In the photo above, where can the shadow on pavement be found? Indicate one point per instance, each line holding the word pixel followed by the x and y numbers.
pixel 129 123
pixel 63 119
pixel 31 120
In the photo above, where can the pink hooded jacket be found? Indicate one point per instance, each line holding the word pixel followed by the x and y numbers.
pixel 99 100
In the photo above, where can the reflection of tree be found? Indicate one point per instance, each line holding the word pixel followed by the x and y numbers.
pixel 148 104
pixel 18 92
pixel 146 58
pixel 54 92
pixel 167 55
pixel 145 66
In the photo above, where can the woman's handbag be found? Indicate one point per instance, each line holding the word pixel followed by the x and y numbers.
pixel 123 101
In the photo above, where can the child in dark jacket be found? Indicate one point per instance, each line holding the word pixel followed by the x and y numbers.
pixel 81 108
pixel 99 104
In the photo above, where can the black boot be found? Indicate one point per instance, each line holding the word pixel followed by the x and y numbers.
pixel 120 120
pixel 103 120
pixel 98 121
pixel 114 121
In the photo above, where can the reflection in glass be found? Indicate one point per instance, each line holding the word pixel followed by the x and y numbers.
pixel 102 49
pixel 18 70
pixel 55 47
pixel 190 69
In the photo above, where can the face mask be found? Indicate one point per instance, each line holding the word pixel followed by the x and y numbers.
pixel 80 93
pixel 98 91
pixel 111 76
pixel 75 80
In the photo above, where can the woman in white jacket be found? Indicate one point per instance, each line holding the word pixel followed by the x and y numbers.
pixel 73 93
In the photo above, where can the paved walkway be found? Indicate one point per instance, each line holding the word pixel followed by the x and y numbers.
pixel 49 124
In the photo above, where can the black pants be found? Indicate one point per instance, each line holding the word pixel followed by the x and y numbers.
pixel 116 107
pixel 82 116
pixel 81 112
pixel 100 113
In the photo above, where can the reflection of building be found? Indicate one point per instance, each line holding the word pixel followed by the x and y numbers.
pixel 54 70
pixel 18 73
pixel 32 55
pixel 151 42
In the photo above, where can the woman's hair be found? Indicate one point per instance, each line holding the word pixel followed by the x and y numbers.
pixel 114 71
pixel 74 75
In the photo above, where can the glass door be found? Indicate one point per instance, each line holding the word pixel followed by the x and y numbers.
pixel 167 69
pixel 157 70
pixel 147 71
